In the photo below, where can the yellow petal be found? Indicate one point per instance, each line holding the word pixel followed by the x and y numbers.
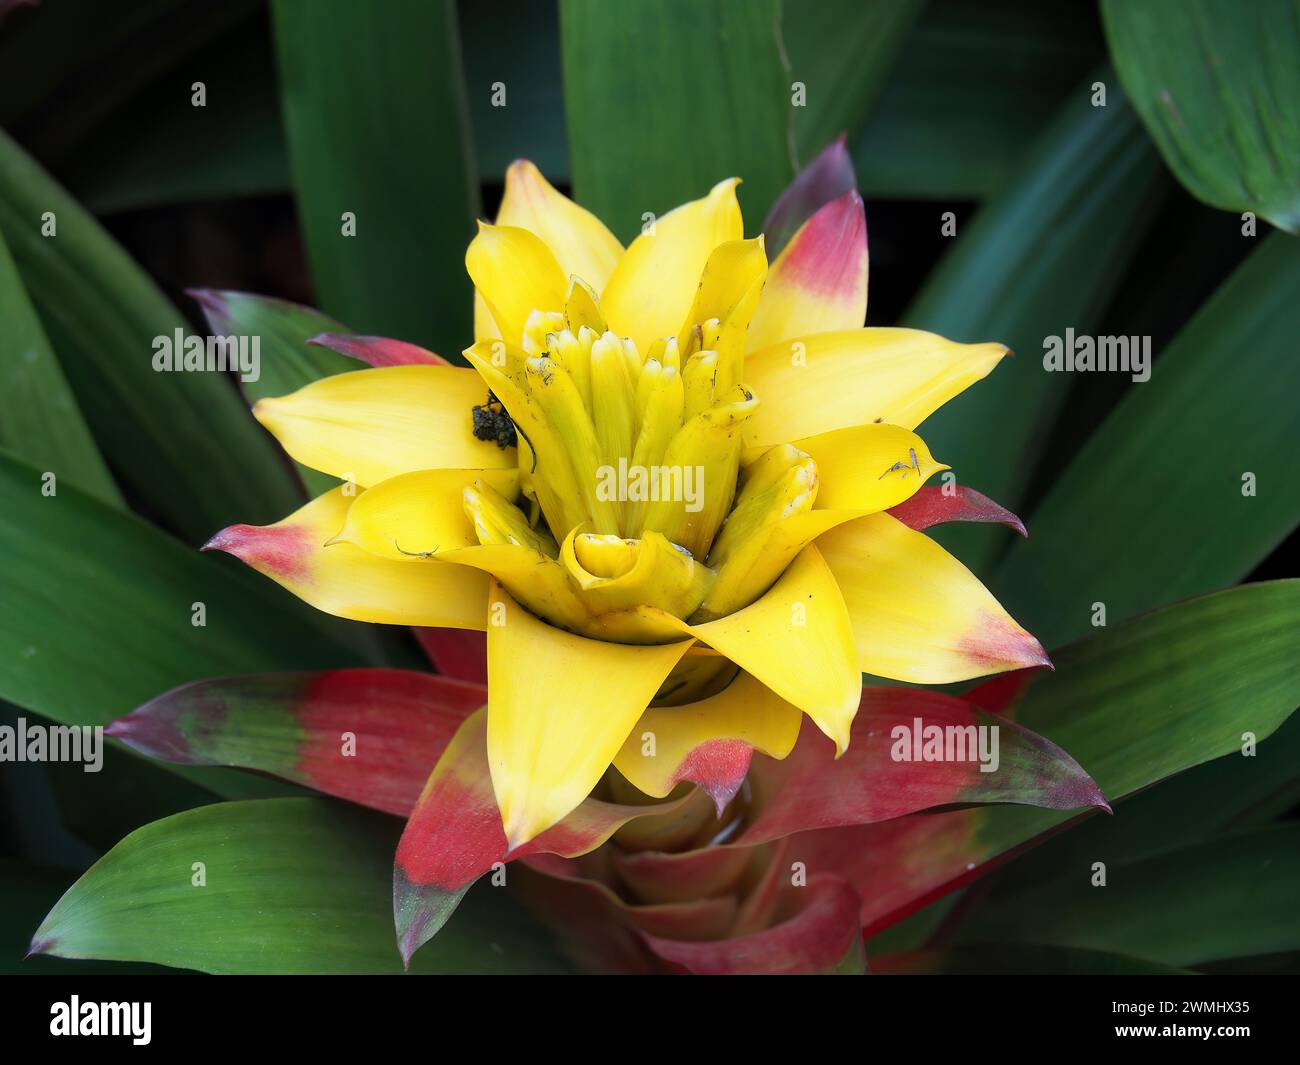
pixel 618 574
pixel 370 425
pixel 707 449
pixel 497 520
pixel 655 755
pixel 560 401
pixel 798 640
pixel 730 289
pixel 418 514
pixel 559 709
pixel 532 578
pixel 814 384
pixel 818 283
pixel 582 308
pixel 759 559
pixel 581 243
pixel 654 283
pixel 350 582
pixel 918 614
pixel 869 468
pixel 516 273
pixel 485 326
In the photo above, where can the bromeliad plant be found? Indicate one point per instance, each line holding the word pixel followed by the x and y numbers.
pixel 641 644
pixel 675 504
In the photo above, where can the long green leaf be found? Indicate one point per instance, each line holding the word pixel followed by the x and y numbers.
pixel 1241 789
pixel 27 891
pixel 1041 258
pixel 1134 705
pixel 282 330
pixel 664 100
pixel 1227 897
pixel 1156 505
pixel 1173 688
pixel 1216 83
pixel 290 886
pixel 842 52
pixel 971 89
pixel 375 110
pixel 183 441
pixel 99 608
pixel 39 417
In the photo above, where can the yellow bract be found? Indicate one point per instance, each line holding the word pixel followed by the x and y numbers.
pixel 671 509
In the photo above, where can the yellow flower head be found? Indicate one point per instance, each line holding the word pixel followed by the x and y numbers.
pixel 661 489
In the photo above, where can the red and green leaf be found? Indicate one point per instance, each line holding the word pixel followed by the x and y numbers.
pixel 370 736
pixel 892 768
pixel 455 835
pixel 1143 701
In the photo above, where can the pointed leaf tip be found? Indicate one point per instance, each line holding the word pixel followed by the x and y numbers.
pixel 39 946
pixel 153 734
pixel 377 351
pixel 938 504
pixel 211 300
pixel 419 912
pixel 224 539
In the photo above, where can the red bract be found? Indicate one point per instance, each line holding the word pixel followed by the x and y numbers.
pixel 781 883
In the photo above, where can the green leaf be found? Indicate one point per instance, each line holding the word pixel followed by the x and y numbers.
pixel 1173 688
pixel 1134 705
pixel 183 441
pixel 665 100
pixel 842 51
pixel 1043 256
pixel 282 330
pixel 27 891
pixel 39 417
pixel 1154 508
pixel 1236 790
pixel 291 886
pixel 98 610
pixel 971 89
pixel 1227 897
pixel 375 110
pixel 1216 83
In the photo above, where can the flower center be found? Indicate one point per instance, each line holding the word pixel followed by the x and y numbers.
pixel 632 467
